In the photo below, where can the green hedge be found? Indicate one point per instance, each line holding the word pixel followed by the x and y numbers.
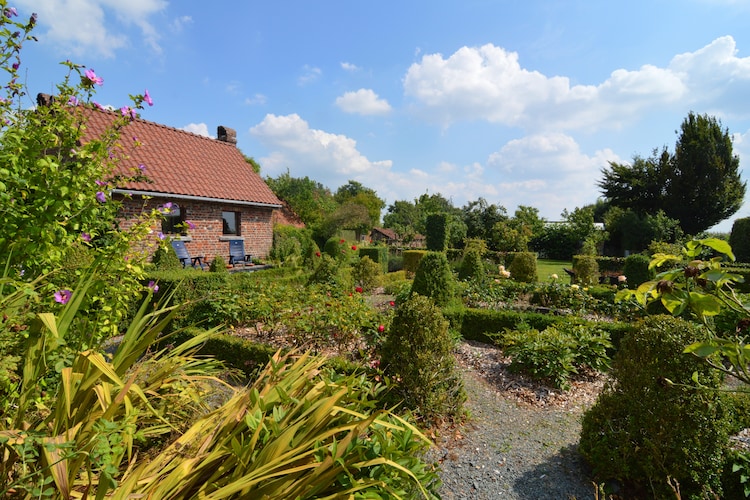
pixel 376 254
pixel 610 264
pixel 235 352
pixel 412 258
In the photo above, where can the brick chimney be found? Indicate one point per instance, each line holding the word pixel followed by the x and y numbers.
pixel 226 134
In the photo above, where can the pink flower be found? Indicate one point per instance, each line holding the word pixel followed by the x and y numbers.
pixel 381 328
pixel 101 197
pixel 375 363
pixel 86 237
pixel 160 235
pixel 190 224
pixel 142 167
pixel 96 80
pixel 147 98
pixel 99 106
pixel 128 111
pixel 63 296
pixel 100 183
pixel 73 101
pixel 153 286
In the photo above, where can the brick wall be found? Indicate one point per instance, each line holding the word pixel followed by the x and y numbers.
pixel 207 239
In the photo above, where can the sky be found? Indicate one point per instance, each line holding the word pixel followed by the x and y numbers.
pixel 519 103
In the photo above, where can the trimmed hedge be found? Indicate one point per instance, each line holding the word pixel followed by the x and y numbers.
pixel 235 352
pixel 412 259
pixel 436 228
pixel 739 239
pixel 376 254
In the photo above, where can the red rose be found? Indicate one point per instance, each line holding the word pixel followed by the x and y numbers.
pixel 354 247
pixel 381 328
pixel 317 254
pixel 392 304
pixel 358 289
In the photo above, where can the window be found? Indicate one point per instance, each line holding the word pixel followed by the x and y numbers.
pixel 173 222
pixel 231 222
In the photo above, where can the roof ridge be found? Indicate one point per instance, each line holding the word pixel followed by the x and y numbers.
pixel 117 113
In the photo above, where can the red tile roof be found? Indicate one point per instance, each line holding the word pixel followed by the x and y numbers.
pixel 185 164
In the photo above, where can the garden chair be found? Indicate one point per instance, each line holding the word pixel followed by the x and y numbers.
pixel 182 253
pixel 237 255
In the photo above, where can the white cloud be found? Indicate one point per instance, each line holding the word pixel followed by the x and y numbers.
pixel 83 26
pixel 197 128
pixel 546 171
pixel 488 83
pixel 257 99
pixel 363 102
pixel 309 74
pixel 180 23
pixel 328 158
pixel 349 67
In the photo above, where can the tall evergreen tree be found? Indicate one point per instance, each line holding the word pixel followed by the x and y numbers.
pixel 699 185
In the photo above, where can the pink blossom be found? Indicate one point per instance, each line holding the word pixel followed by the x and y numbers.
pixel 100 183
pixel 147 98
pixel 153 286
pixel 73 101
pixel 190 224
pixel 86 237
pixel 97 80
pixel 101 197
pixel 160 235
pixel 63 296
pixel 142 167
pixel 381 328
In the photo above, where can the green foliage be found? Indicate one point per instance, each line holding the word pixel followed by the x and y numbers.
pixel 699 185
pixel 165 259
pixel 472 267
pixel 419 350
pixel 586 270
pixel 378 254
pixel 309 199
pixel 328 272
pixel 436 232
pixel 480 218
pixel 86 412
pixel 366 274
pixel 558 352
pixel 355 193
pixel 412 258
pixel 636 269
pixel 739 239
pixel 523 267
pixel 434 279
pixel 218 265
pixel 633 232
pixel 650 424
pixel 292 246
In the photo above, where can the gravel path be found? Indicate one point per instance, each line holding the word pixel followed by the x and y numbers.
pixel 521 440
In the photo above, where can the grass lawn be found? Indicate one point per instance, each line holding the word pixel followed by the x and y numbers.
pixel 545 268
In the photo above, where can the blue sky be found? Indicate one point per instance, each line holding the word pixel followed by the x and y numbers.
pixel 521 103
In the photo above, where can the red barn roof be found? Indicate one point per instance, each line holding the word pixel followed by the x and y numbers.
pixel 183 164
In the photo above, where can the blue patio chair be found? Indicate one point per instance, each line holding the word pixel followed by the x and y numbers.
pixel 237 255
pixel 182 253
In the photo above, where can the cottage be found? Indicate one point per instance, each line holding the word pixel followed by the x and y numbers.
pixel 207 182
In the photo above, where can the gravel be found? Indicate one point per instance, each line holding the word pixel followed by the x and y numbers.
pixel 521 439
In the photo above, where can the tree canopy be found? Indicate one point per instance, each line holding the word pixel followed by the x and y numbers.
pixel 699 185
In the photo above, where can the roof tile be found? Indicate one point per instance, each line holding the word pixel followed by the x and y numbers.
pixel 182 163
